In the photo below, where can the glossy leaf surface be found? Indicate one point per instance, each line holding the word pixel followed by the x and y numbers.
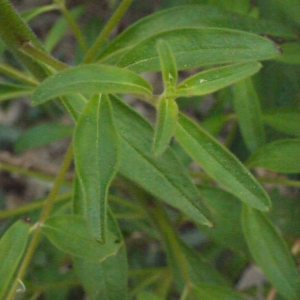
pixel 91 79
pixel 36 137
pixel 196 47
pixel 280 156
pixel 189 16
pixel 164 176
pixel 271 253
pixel 9 91
pixel 71 234
pixel 12 246
pixel 220 164
pixel 247 108
pixel 167 114
pixel 96 152
pixel 212 80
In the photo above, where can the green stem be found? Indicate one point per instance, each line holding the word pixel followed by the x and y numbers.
pixel 26 172
pixel 14 32
pixel 18 75
pixel 112 22
pixel 75 28
pixel 281 181
pixel 28 48
pixel 21 210
pixel 45 212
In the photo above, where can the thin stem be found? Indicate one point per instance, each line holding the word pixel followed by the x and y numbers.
pixel 29 173
pixel 29 49
pixel 281 181
pixel 17 74
pixel 112 22
pixel 45 212
pixel 21 210
pixel 75 28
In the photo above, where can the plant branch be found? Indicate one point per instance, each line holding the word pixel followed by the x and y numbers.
pixel 112 22
pixel 45 213
pixel 75 28
pixel 17 74
pixel 29 49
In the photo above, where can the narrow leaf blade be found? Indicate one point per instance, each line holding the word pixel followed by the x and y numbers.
pixel 271 253
pixel 220 164
pixel 164 176
pixel 190 16
pixel 96 152
pixel 247 107
pixel 91 79
pixel 167 114
pixel 12 246
pixel 9 91
pixel 197 47
pixel 280 156
pixel 69 233
pixel 168 65
pixel 212 80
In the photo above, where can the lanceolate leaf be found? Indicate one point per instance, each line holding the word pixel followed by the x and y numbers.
pixel 164 176
pixel 247 107
pixel 196 47
pixel 72 235
pixel 168 65
pixel 210 81
pixel 9 91
pixel 91 79
pixel 220 164
pixel 205 291
pixel 287 122
pixel 271 253
pixel 96 149
pixel 108 279
pixel 189 16
pixel 12 246
pixel 281 156
pixel 36 137
pixel 167 113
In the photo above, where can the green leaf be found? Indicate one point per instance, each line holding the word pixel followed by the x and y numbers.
pixel 59 28
pixel 71 234
pixel 164 176
pixel 212 80
pixel 168 65
pixel 100 279
pixel 290 53
pixel 271 253
pixel 186 265
pixel 91 79
pixel 280 156
pixel 226 210
pixel 30 14
pixel 247 108
pixel 205 291
pixel 148 296
pixel 198 47
pixel 12 246
pixel 167 113
pixel 287 122
pixel 189 16
pixel 9 91
pixel 220 164
pixel 96 153
pixel 36 137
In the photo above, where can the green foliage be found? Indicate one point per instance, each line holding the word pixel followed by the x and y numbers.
pixel 171 211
